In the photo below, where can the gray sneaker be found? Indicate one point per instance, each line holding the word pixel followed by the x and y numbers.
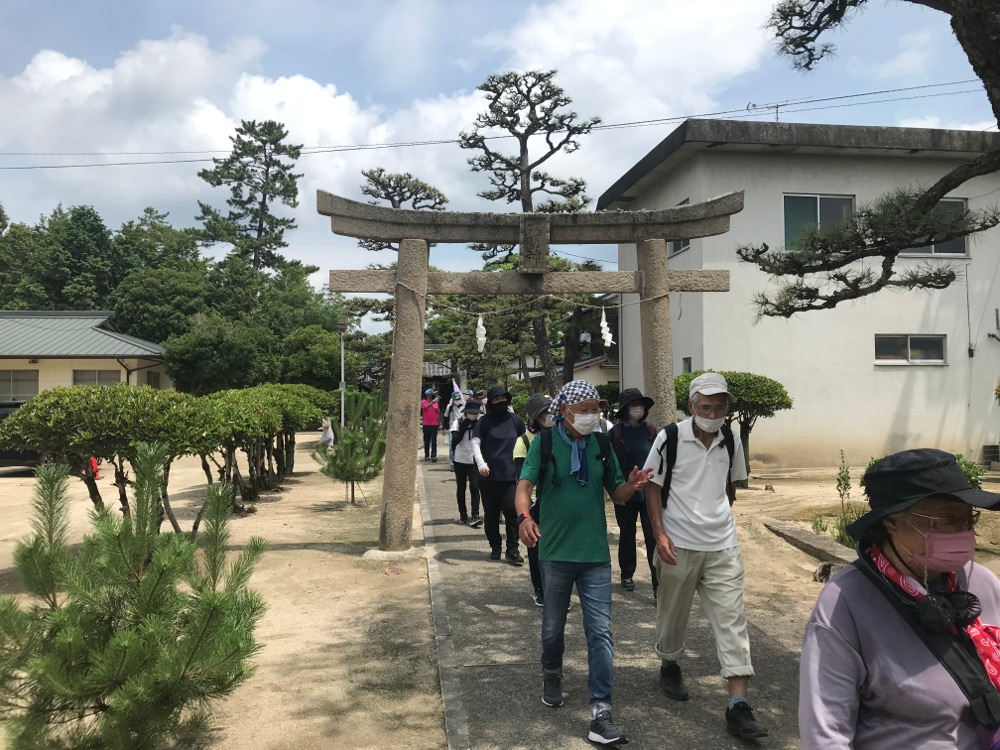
pixel 552 690
pixel 604 731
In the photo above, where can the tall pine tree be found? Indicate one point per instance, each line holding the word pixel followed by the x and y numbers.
pixel 529 106
pixel 258 174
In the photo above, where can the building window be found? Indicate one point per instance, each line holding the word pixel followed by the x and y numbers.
pixel 679 246
pixel 948 207
pixel 153 379
pixel 97 377
pixel 804 212
pixel 18 385
pixel 914 349
pixel 686 365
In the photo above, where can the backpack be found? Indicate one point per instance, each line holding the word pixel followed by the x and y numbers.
pixel 670 444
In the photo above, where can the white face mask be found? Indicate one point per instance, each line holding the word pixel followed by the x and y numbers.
pixel 472 417
pixel 547 421
pixel 636 412
pixel 585 423
pixel 709 425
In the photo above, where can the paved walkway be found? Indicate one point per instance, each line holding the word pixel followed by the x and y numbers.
pixel 488 632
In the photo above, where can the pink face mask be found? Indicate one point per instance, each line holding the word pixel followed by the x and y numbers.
pixel 946 553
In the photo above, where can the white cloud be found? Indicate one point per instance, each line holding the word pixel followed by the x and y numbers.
pixel 637 60
pixel 915 53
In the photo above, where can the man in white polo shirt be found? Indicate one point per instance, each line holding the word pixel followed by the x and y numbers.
pixel 696 545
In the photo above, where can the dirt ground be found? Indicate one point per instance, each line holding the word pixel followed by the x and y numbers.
pixel 348 658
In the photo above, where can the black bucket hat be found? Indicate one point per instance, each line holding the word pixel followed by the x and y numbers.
pixel 472 407
pixel 537 403
pixel 900 481
pixel 497 390
pixel 628 396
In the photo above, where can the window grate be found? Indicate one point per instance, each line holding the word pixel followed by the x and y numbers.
pixel 991 453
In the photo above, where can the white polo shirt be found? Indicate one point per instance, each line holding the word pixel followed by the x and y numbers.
pixel 698 516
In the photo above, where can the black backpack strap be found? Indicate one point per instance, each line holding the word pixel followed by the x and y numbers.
pixel 524 439
pixel 730 441
pixel 668 454
pixel 546 458
pixel 955 656
pixel 604 453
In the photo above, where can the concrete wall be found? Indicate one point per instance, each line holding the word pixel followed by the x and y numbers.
pixel 843 399
pixel 57 373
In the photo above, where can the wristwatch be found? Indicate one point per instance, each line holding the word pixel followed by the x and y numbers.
pixel 521 518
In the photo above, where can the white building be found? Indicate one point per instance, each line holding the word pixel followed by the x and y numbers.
pixel 896 370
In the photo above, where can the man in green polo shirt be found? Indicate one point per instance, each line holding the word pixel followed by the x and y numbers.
pixel 571 532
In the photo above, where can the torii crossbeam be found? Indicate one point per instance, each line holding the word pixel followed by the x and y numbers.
pixel 412 282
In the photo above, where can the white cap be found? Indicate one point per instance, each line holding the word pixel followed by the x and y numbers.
pixel 709 384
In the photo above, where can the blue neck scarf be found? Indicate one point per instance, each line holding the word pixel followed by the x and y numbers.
pixel 578 463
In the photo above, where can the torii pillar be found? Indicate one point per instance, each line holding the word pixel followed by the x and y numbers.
pixel 412 282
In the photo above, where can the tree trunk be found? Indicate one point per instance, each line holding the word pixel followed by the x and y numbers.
pixel 120 482
pixel 745 428
pixel 571 345
pixel 279 455
pixel 541 336
pixel 92 490
pixel 289 453
pixel 206 468
pixel 352 493
pixel 977 28
pixel 166 501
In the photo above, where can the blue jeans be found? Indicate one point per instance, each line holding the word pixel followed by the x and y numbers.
pixel 593 585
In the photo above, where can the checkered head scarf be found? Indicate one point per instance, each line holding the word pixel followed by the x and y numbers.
pixel 573 392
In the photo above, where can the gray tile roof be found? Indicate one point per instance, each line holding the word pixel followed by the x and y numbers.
pixel 45 334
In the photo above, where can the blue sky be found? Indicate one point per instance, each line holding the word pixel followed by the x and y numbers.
pixel 157 76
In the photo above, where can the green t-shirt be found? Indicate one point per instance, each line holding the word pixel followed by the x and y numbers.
pixel 572 522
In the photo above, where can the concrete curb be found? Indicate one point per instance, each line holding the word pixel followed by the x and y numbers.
pixel 456 723
pixel 820 547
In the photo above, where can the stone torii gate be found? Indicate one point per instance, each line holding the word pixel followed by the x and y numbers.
pixel 412 282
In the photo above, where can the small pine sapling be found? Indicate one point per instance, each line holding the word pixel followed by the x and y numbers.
pixel 359 452
pixel 131 637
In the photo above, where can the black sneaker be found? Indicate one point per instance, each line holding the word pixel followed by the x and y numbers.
pixel 495 554
pixel 672 683
pixel 476 522
pixel 464 520
pixel 539 597
pixel 434 459
pixel 552 690
pixel 628 584
pixel 514 557
pixel 604 731
pixel 740 722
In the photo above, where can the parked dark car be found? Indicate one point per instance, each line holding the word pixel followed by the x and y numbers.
pixel 17 458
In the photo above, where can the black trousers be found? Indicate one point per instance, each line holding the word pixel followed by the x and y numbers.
pixel 430 441
pixel 499 497
pixel 467 473
pixel 626 516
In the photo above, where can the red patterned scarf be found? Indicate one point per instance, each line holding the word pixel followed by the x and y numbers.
pixel 986 638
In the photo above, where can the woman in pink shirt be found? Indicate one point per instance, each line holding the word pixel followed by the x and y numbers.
pixel 430 418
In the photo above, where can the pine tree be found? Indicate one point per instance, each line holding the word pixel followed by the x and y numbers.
pixel 257 177
pixel 131 637
pixel 359 451
pixel 526 105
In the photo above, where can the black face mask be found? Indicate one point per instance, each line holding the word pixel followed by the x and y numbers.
pixel 498 410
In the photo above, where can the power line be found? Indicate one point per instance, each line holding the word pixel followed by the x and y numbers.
pixel 794 105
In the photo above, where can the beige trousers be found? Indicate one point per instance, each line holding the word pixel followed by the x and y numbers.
pixel 718 579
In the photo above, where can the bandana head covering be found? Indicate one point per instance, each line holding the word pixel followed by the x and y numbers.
pixel 573 392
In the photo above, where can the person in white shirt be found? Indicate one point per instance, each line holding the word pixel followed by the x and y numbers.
pixel 696 546
pixel 460 431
